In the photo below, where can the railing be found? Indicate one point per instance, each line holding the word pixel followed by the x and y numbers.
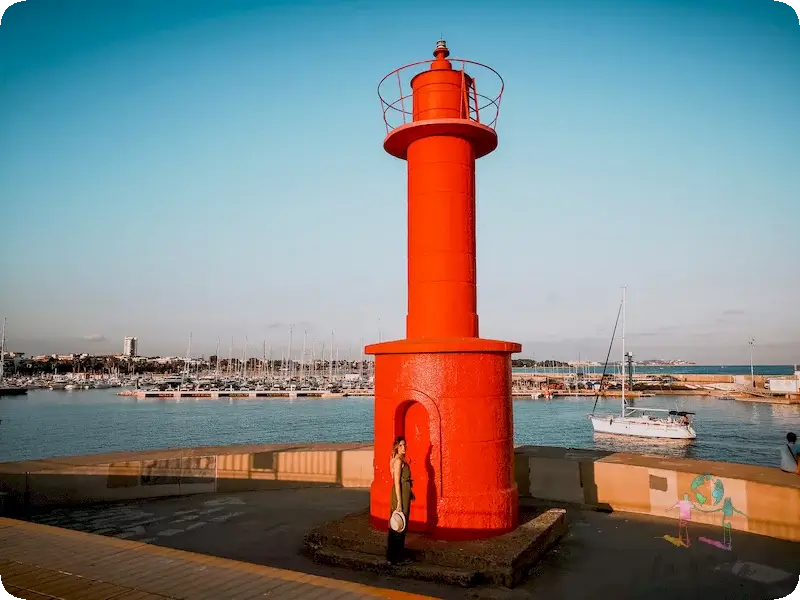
pixel 396 96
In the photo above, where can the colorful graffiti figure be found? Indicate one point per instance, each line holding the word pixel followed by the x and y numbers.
pixel 684 507
pixel 717 496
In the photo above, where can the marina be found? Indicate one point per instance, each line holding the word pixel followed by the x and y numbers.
pixel 317 393
pixel 320 373
pixel 532 385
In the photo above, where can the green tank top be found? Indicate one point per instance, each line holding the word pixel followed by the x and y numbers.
pixel 405 490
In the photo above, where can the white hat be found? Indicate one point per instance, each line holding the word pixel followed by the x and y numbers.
pixel 398 521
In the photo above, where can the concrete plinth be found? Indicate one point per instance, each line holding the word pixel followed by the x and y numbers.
pixel 503 560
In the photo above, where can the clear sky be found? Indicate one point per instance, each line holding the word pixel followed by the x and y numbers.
pixel 217 168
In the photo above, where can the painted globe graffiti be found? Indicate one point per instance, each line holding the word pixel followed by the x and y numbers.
pixel 708 490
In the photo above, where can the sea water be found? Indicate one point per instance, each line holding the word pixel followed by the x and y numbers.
pixel 48 423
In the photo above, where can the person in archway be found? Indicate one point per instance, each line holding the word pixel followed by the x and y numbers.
pixel 400 501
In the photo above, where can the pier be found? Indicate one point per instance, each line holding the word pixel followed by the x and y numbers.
pixel 38 561
pixel 523 388
pixel 13 391
pixel 224 522
pixel 740 387
pixel 245 393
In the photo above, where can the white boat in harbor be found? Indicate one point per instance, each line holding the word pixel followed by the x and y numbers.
pixel 638 422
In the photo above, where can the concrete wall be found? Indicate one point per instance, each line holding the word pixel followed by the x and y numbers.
pixel 767 499
pixel 698 378
pixel 343 466
pixel 788 386
pixel 130 476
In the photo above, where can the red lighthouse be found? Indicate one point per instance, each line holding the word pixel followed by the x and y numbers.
pixel 444 388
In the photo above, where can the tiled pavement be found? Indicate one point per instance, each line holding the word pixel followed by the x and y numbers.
pixel 135 522
pixel 43 562
pixel 618 553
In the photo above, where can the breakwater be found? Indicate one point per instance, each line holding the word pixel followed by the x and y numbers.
pixel 781 389
pixel 768 370
pixel 244 393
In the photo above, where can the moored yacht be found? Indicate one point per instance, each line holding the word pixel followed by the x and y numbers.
pixel 636 421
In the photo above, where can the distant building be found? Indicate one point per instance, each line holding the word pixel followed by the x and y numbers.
pixel 129 347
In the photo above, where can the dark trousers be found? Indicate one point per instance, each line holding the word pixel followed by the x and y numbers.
pixel 395 546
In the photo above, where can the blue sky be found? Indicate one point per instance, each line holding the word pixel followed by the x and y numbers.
pixel 217 167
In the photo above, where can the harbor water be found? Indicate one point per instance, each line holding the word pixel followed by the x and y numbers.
pixel 48 423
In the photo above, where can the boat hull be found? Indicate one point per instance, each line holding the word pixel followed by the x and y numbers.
pixel 13 391
pixel 638 427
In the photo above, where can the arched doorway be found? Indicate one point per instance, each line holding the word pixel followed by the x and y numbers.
pixel 413 422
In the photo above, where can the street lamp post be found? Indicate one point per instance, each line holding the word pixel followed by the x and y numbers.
pixel 752 375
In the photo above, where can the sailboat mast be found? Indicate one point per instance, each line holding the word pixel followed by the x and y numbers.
pixel 216 366
pixel 624 289
pixel 244 360
pixel 330 366
pixel 3 350
pixel 303 357
pixel 187 361
pixel 289 364
pixel 361 362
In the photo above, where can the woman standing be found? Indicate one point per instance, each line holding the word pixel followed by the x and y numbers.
pixel 400 501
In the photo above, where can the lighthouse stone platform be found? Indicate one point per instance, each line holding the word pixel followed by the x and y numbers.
pixel 503 560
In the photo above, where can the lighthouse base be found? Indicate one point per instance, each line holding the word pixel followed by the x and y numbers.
pixel 451 400
pixel 504 560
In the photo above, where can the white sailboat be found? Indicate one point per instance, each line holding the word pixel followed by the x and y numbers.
pixel 634 421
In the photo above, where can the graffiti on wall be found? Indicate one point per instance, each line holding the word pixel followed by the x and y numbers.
pixel 684 508
pixel 184 470
pixel 706 495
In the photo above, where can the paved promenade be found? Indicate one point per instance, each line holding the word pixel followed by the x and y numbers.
pixel 43 562
pixel 603 555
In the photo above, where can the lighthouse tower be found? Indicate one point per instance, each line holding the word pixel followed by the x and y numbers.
pixel 443 387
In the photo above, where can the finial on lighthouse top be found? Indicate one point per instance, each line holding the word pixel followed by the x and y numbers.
pixel 441 50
